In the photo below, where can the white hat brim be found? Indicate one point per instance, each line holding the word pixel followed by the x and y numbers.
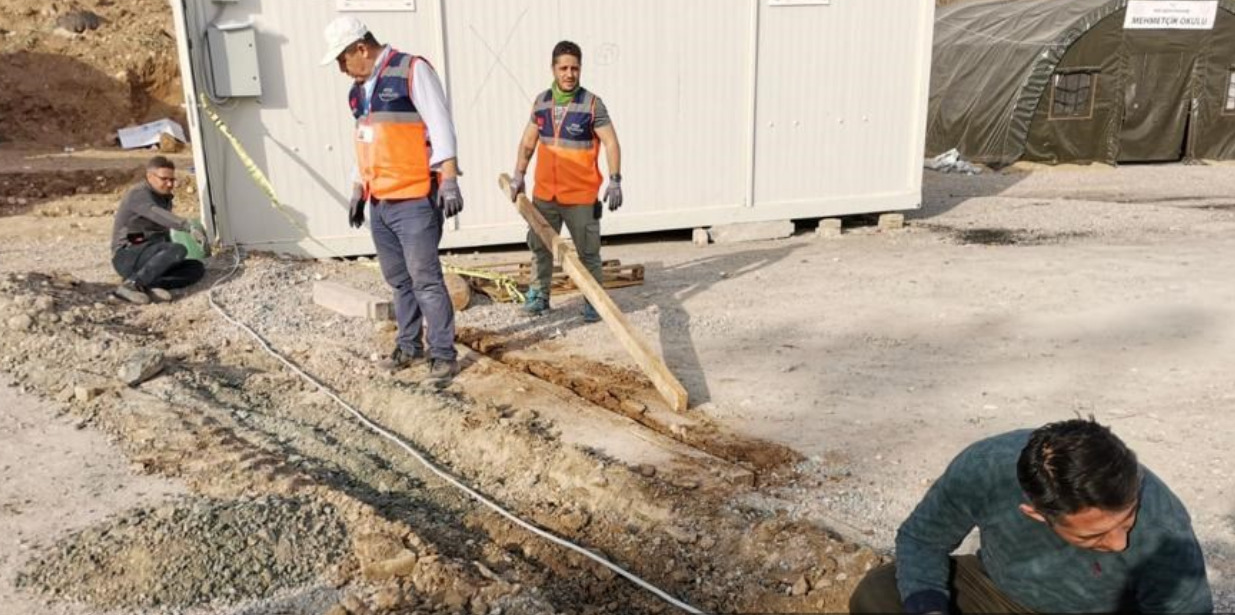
pixel 333 55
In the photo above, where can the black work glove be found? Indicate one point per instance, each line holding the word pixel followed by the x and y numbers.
pixel 449 199
pixel 355 207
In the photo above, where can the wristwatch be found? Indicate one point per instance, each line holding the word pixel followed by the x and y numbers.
pixel 616 177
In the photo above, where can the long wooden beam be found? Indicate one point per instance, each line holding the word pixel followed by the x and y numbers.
pixel 651 364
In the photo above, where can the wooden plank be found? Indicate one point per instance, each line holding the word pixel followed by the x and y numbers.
pixel 647 360
pixel 652 365
pixel 536 221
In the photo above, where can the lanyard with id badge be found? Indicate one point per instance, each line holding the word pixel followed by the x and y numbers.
pixel 365 132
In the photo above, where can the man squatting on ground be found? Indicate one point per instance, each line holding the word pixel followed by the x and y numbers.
pixel 405 154
pixel 567 127
pixel 142 251
pixel 1069 522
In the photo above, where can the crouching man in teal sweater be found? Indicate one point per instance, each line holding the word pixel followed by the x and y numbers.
pixel 1069 522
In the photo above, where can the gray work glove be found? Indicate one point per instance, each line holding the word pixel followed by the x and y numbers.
pixel 355 207
pixel 198 235
pixel 449 199
pixel 613 194
pixel 518 184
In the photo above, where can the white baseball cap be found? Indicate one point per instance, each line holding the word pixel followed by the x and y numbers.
pixel 341 33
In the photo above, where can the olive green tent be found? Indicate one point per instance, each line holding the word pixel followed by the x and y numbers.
pixel 1064 81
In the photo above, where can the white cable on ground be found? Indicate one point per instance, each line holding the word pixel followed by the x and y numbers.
pixel 428 464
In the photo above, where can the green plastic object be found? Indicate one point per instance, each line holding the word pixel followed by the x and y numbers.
pixel 196 251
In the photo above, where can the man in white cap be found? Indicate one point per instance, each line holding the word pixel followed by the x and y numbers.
pixel 405 154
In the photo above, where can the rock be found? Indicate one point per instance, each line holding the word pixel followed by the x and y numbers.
pixel 800 587
pixel 631 406
pixel 524 415
pixel 401 566
pixel 385 326
pixel 181 351
pixel 354 605
pixel 388 599
pixel 43 303
pixel 647 469
pixel 79 21
pixel 575 520
pixel 460 291
pixel 686 483
pixel 21 322
pixel 86 394
pixel 169 144
pixel 681 534
pixel 141 366
pixel 707 542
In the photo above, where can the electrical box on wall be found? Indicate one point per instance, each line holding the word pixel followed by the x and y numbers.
pixel 232 52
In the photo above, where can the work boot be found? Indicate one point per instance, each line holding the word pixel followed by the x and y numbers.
pixel 130 292
pixel 160 294
pixel 589 313
pixel 537 303
pixel 441 372
pixel 399 359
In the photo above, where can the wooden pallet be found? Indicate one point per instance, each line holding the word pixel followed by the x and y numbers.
pixel 615 273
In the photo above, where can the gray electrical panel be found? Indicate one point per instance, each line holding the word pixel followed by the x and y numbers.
pixel 232 50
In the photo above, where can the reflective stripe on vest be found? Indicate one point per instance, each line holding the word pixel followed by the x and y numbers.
pixel 392 143
pixel 566 169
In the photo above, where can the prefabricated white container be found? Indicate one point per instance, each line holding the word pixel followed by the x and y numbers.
pixel 727 110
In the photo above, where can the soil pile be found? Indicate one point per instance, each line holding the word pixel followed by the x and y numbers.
pixel 61 87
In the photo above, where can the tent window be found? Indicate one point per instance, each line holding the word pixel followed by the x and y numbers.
pixel 1072 95
pixel 1229 107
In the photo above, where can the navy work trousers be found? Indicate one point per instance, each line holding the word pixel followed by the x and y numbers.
pixel 407 234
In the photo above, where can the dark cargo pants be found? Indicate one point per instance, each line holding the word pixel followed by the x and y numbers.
pixel 583 222
pixel 972 591
pixel 157 263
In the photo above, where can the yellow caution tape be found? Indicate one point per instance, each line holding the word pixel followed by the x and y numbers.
pixel 256 174
pixel 505 283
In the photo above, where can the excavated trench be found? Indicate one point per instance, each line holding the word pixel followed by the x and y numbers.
pixel 236 426
pixel 630 394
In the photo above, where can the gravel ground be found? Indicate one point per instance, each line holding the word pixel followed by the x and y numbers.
pixel 192 552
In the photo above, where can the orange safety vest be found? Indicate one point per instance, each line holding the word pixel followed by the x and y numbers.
pixel 566 169
pixel 392 142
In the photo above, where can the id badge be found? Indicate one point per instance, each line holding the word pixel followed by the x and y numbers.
pixel 364 134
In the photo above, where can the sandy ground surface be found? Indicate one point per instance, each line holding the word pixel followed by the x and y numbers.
pixel 57 476
pixel 1010 300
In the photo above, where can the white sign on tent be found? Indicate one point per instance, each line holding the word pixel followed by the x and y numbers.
pixel 1170 14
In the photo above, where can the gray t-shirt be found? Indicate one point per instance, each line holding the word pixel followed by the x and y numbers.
pixel 1161 571
pixel 145 213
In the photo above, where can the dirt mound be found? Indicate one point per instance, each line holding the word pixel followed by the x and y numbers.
pixel 193 552
pixel 72 88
